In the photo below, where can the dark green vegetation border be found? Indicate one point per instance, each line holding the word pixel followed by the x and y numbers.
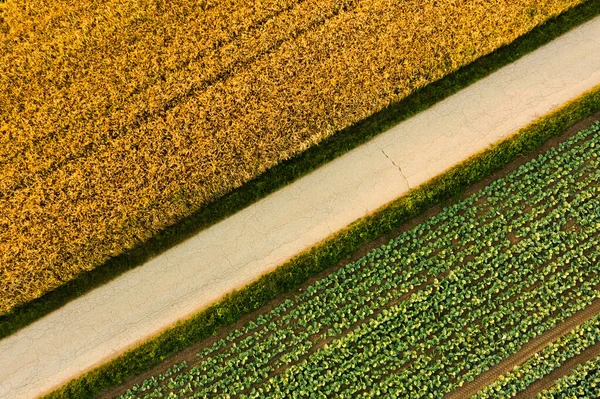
pixel 298 166
pixel 341 245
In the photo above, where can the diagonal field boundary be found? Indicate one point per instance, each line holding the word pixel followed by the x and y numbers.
pixel 187 278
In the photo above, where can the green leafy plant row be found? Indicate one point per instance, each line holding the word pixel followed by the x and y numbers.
pixel 544 362
pixel 582 382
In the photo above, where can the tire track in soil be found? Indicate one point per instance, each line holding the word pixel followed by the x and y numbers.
pixel 566 368
pixel 527 351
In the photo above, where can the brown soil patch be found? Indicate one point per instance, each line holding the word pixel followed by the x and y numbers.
pixel 566 368
pixel 526 352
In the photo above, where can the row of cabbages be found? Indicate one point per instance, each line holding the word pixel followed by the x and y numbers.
pixel 545 362
pixel 582 382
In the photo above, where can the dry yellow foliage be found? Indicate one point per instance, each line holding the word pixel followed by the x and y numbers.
pixel 119 117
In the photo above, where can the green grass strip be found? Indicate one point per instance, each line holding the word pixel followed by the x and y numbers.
pixel 297 167
pixel 329 253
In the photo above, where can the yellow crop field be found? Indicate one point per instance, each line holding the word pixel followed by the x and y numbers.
pixel 120 117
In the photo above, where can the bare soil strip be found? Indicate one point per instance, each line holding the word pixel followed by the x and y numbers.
pixel 528 350
pixel 566 368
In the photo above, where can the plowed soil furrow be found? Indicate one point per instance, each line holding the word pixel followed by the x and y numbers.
pixel 564 369
pixel 526 352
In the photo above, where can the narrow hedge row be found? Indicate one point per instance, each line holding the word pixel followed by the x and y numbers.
pixel 288 171
pixel 325 255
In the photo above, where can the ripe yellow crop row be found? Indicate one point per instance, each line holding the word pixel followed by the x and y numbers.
pixel 124 116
